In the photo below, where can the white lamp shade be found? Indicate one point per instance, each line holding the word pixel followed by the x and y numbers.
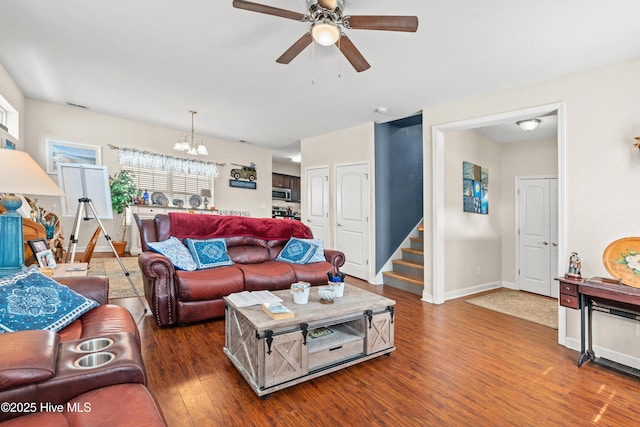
pixel 202 150
pixel 325 34
pixel 20 174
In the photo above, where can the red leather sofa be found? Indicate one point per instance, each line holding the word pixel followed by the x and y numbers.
pixel 182 297
pixel 54 379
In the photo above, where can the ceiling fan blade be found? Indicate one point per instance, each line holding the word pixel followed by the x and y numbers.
pixel 261 8
pixel 328 4
pixel 385 23
pixel 295 49
pixel 353 55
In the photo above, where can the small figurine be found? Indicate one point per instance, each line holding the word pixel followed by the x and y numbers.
pixel 574 265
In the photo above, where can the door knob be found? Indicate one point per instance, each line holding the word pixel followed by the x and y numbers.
pixel 555 243
pixel 339 225
pixel 545 243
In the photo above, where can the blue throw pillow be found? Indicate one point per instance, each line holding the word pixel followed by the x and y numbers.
pixel 177 253
pixel 209 253
pixel 29 300
pixel 297 251
pixel 318 255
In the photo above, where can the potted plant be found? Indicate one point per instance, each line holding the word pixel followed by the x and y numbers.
pixel 123 188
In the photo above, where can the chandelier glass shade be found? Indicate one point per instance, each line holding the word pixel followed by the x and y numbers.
pixel 325 33
pixel 190 144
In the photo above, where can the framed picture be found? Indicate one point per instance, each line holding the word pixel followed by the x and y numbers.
pixel 38 245
pixel 70 152
pixel 46 259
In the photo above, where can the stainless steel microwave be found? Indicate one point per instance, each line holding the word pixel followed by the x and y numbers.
pixel 281 194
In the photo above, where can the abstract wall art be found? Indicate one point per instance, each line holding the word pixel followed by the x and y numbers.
pixel 475 188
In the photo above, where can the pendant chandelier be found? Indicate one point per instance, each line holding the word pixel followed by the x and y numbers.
pixel 191 144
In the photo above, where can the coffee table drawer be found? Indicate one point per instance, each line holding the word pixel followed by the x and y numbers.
pixel 342 344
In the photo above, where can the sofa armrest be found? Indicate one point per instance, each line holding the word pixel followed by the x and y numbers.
pixel 94 287
pixel 160 289
pixel 336 258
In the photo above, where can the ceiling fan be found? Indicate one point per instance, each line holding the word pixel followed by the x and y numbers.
pixel 326 18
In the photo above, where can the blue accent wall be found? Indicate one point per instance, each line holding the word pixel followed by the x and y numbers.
pixel 399 182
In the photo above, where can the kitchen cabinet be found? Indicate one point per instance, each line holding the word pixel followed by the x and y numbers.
pixel 288 181
pixel 295 189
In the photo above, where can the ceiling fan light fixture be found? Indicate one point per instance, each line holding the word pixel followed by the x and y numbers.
pixel 528 125
pixel 325 33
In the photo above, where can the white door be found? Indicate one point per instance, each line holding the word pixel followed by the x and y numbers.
pixel 537 234
pixel 317 210
pixel 352 218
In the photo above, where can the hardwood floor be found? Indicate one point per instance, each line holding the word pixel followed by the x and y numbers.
pixel 455 364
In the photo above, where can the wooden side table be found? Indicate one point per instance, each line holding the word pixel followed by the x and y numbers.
pixel 76 269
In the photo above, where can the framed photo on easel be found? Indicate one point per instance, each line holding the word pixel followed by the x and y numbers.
pixel 46 259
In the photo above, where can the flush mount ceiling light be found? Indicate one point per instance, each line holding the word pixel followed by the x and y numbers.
pixel 528 125
pixel 325 33
pixel 191 144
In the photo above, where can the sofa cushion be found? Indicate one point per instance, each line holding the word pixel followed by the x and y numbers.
pixel 314 273
pixel 297 251
pixel 103 320
pixel 27 357
pixel 208 253
pixel 29 300
pixel 177 253
pixel 209 284
pixel 269 275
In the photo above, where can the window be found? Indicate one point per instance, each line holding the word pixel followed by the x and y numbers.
pixel 178 179
pixel 3 117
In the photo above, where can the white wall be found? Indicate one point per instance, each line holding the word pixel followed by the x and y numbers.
pixel 47 120
pixel 601 168
pixel 472 241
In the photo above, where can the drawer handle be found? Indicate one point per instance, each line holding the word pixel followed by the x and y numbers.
pixel 567 288
pixel 335 348
pixel 567 301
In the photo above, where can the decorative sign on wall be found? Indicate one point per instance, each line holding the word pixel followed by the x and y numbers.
pixel 243 176
pixel 475 186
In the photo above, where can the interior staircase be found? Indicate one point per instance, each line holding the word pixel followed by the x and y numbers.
pixel 408 272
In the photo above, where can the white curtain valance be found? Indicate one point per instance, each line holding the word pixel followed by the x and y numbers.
pixel 144 159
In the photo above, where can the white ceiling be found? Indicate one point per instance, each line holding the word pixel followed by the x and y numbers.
pixel 154 60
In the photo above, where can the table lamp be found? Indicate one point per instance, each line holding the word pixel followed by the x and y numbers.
pixel 19 174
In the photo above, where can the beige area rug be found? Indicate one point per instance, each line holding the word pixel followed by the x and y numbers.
pixel 524 305
pixel 119 286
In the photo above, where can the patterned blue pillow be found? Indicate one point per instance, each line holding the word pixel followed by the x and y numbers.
pixel 177 253
pixel 209 253
pixel 29 300
pixel 297 251
pixel 318 255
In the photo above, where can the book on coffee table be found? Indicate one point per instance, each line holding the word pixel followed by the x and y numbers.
pixel 247 299
pixel 276 310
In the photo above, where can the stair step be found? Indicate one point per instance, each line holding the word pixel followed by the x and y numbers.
pixel 413 255
pixel 405 282
pixel 416 243
pixel 413 251
pixel 408 264
pixel 414 280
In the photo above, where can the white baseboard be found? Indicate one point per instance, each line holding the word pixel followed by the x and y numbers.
pixel 473 290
